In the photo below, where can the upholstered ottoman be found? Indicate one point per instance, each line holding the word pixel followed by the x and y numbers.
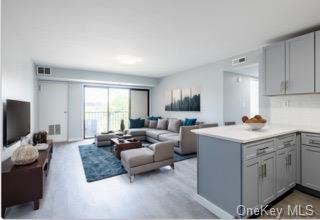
pixel 141 160
pixel 104 139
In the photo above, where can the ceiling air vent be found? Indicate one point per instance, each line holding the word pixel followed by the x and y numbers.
pixel 239 61
pixel 43 71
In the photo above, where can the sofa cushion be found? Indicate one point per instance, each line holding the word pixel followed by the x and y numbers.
pixel 137 131
pixel 136 123
pixel 153 124
pixel 189 121
pixel 174 125
pixel 162 124
pixel 137 157
pixel 146 122
pixel 154 133
pixel 174 137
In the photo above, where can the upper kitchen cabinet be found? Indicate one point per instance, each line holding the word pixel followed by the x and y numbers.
pixel 275 67
pixel 318 61
pixel 300 71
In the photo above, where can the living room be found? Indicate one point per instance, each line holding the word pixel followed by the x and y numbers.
pixel 109 106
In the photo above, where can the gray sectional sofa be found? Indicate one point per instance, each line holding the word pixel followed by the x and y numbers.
pixel 184 140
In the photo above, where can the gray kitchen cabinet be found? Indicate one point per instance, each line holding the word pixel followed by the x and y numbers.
pixel 291 167
pixel 268 178
pixel 318 61
pixel 275 67
pixel 259 181
pixel 300 72
pixel 281 171
pixel 310 162
pixel 251 182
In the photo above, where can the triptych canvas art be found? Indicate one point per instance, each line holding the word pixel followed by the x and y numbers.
pixel 183 100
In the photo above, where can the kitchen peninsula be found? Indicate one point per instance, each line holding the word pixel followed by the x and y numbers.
pixel 242 168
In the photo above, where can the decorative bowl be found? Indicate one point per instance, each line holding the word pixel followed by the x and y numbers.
pixel 254 126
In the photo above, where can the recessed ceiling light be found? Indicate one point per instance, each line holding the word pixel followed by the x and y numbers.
pixel 128 59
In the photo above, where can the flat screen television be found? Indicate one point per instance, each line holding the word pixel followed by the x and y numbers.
pixel 16 121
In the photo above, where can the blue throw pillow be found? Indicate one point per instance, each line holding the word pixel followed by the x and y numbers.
pixel 141 124
pixel 136 123
pixel 189 121
pixel 154 118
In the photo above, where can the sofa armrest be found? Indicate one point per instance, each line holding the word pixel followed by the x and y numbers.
pixel 162 150
pixel 188 139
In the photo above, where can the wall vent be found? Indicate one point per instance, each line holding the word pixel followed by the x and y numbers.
pixel 238 61
pixel 51 130
pixel 57 129
pixel 43 71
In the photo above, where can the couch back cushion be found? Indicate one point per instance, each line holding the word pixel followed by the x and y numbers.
pixel 174 125
pixel 153 123
pixel 136 123
pixel 146 122
pixel 162 124
pixel 189 121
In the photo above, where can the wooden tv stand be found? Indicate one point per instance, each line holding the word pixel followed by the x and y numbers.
pixel 22 184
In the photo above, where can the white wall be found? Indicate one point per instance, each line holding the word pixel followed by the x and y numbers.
pixel 76 107
pixel 75 112
pixel 209 79
pixel 18 76
pixel 302 110
pixel 236 96
pixel 64 74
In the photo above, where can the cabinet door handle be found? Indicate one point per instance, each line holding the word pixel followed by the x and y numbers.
pixel 260 172
pixel 264 170
pixel 290 159
pixel 282 86
pixel 314 142
pixel 287 84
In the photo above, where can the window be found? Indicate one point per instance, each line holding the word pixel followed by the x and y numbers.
pixel 104 109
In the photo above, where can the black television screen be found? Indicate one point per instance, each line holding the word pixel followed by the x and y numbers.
pixel 16 121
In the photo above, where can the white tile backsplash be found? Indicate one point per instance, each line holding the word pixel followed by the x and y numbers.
pixel 295 110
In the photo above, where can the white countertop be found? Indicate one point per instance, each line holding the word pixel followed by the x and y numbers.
pixel 237 133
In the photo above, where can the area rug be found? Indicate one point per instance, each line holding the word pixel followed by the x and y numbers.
pixel 100 163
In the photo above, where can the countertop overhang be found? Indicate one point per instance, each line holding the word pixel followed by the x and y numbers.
pixel 238 133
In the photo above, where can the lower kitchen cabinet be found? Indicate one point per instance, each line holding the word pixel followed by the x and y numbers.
pixel 259 177
pixel 310 159
pixel 286 169
pixel 268 178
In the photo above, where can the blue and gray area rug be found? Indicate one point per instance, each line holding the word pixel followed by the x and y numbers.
pixel 100 163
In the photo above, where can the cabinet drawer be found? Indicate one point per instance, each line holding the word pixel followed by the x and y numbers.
pixel 311 139
pixel 256 149
pixel 285 141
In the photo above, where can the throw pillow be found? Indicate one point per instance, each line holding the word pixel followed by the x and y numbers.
pixel 189 121
pixel 141 125
pixel 174 125
pixel 153 124
pixel 146 123
pixel 135 123
pixel 154 117
pixel 162 124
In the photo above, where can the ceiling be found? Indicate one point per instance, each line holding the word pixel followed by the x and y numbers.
pixel 168 35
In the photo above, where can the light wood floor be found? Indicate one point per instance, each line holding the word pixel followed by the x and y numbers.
pixel 159 194
pixel 297 198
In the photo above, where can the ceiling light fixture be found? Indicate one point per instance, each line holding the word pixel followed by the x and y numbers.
pixel 128 59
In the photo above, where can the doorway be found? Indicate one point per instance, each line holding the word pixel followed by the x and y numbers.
pixel 240 93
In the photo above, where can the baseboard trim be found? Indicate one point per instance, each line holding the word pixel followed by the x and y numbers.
pixel 75 139
pixel 219 212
